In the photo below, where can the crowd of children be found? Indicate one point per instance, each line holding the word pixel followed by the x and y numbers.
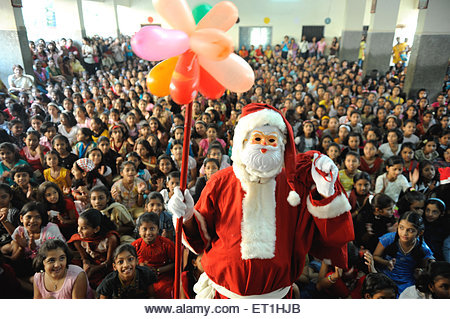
pixel 90 159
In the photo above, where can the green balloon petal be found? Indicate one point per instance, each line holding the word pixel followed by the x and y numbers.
pixel 200 11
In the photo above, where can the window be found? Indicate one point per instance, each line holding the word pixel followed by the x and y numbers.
pixel 255 36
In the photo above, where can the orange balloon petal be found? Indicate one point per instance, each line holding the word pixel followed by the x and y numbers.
pixel 213 44
pixel 222 16
pixel 158 80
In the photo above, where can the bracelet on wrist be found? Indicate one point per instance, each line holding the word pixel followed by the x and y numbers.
pixel 330 279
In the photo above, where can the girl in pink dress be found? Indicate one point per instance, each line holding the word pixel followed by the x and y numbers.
pixel 56 278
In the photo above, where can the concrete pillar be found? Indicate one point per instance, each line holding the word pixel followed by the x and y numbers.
pixel 352 30
pixel 430 51
pixel 380 36
pixel 69 19
pixel 14 40
pixel 116 17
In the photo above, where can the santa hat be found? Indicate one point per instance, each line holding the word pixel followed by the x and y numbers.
pixel 257 115
pixel 444 174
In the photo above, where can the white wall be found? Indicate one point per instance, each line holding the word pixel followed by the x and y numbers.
pixel 286 16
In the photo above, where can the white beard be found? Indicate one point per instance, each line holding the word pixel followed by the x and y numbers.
pixel 262 165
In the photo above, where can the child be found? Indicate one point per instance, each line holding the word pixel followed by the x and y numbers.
pixel 428 179
pixel 9 158
pixel 306 139
pixel 61 210
pixel 325 142
pixel 55 173
pixel 68 127
pixel 334 152
pixel 172 180
pixel 351 163
pixel 374 220
pixel 9 218
pixel 27 239
pixel 355 122
pixel 177 155
pixel 190 275
pixel 129 190
pixel 130 123
pixel 111 158
pixel 352 143
pixel 409 128
pixel 142 172
pixel 432 283
pixel 165 164
pixel 48 130
pixel 84 169
pixel 128 280
pixel 98 129
pixel 33 152
pixel 444 137
pixel 344 130
pixel 370 162
pixel 155 143
pixel 216 151
pixel 427 150
pixel 100 199
pixel 55 277
pixel 119 141
pixel 61 145
pixel 399 253
pixel 332 128
pixel 411 165
pixel 392 145
pixel 95 242
pixel 82 117
pixel 437 226
pixel 84 142
pixel 157 129
pixel 16 129
pixel 411 200
pixel 155 204
pixel 24 190
pixel 360 192
pixel 157 253
pixel 211 133
pixel 379 286
pixel 96 156
pixel 145 151
pixel 374 134
pixel 211 166
pixel 392 183
pixel 425 124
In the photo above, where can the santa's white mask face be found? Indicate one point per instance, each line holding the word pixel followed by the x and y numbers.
pixel 262 153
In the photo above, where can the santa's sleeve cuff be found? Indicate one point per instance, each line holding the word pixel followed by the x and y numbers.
pixel 328 207
pixel 197 245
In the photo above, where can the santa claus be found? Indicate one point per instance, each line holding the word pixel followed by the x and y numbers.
pixel 256 220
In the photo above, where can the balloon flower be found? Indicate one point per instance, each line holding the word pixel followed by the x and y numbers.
pixel 196 58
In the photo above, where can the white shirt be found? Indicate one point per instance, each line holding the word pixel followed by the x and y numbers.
pixel 393 189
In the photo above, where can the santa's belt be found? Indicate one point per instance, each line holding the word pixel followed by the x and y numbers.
pixel 205 288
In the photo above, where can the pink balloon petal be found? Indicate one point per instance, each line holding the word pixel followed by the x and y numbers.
pixel 154 43
pixel 177 13
pixel 222 16
pixel 233 73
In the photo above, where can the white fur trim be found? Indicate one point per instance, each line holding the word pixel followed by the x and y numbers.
pixel 258 227
pixel 293 198
pixel 247 123
pixel 337 207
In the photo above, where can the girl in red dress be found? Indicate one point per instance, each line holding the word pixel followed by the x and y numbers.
pixel 157 253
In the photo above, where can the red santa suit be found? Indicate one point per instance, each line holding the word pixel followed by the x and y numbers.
pixel 255 242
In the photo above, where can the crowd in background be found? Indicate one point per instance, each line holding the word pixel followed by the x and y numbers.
pixel 90 158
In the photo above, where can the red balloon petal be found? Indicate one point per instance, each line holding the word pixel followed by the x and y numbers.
pixel 185 78
pixel 208 86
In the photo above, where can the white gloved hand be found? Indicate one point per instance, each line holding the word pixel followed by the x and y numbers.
pixel 181 206
pixel 325 181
